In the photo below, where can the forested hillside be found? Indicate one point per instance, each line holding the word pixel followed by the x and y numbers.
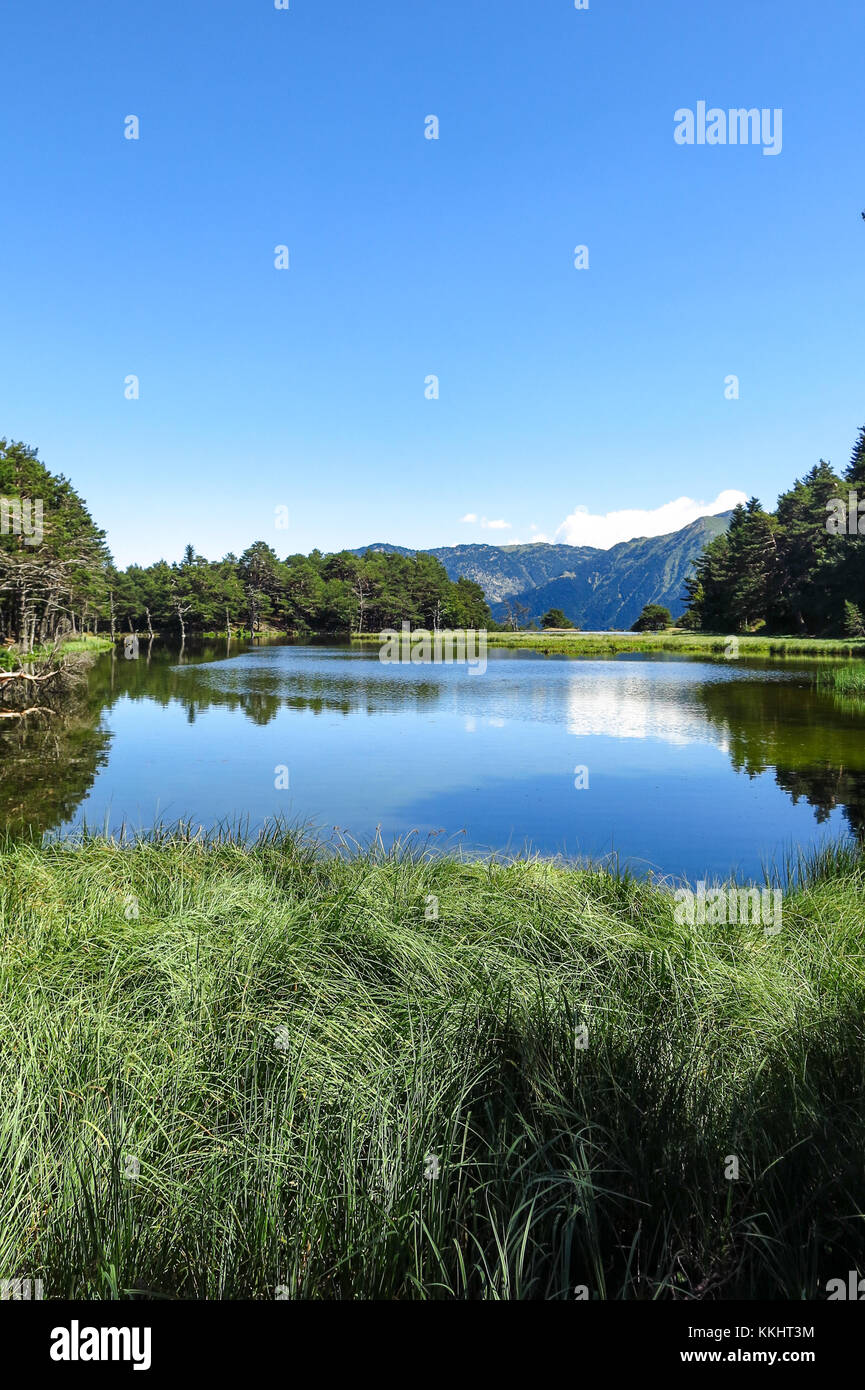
pixel 503 571
pixel 52 571
pixel 798 569
pixel 66 582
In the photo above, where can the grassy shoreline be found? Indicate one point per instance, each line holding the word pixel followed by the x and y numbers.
pixel 38 683
pixel 574 644
pixel 283 1040
pixel 690 643
pixel 697 643
pixel 88 645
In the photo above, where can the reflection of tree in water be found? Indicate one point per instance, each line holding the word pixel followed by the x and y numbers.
pixel 195 682
pixel 813 742
pixel 825 789
pixel 259 709
pixel 49 765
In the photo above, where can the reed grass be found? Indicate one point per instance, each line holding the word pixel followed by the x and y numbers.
pixel 290 1042
pixel 846 681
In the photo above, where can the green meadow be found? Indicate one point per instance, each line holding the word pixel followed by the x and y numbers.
pixel 290 1070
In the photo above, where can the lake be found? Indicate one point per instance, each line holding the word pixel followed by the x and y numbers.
pixel 693 767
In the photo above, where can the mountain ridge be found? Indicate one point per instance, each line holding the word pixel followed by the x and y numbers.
pixel 594 588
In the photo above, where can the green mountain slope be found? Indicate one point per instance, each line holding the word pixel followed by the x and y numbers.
pixel 502 570
pixel 594 588
pixel 610 589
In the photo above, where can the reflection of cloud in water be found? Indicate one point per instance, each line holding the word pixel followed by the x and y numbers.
pixel 635 708
pixel 608 699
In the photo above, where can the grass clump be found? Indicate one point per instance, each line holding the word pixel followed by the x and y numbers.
pixel 846 681
pixel 227 1071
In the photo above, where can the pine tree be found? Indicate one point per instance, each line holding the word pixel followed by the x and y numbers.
pixel 811 558
pixel 855 473
pixel 753 564
pixel 854 624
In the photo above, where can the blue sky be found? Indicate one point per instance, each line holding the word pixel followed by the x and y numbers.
pixel 599 389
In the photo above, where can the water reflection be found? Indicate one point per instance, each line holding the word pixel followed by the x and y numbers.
pixel 693 765
pixel 812 741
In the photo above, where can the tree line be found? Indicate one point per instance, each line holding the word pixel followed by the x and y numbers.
pixel 62 580
pixel 799 569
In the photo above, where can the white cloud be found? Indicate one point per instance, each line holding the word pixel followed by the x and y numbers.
pixel 487 525
pixel 584 528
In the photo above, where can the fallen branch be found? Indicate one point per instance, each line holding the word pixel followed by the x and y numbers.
pixel 22 713
pixel 26 676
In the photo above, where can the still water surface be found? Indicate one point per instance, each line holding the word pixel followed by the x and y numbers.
pixel 694 767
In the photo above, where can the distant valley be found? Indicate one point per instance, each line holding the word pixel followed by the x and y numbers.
pixel 596 589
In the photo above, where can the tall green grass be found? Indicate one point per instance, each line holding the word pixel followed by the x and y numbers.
pixel 284 1040
pixel 846 681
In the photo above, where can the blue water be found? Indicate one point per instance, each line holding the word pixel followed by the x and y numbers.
pixel 683 757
